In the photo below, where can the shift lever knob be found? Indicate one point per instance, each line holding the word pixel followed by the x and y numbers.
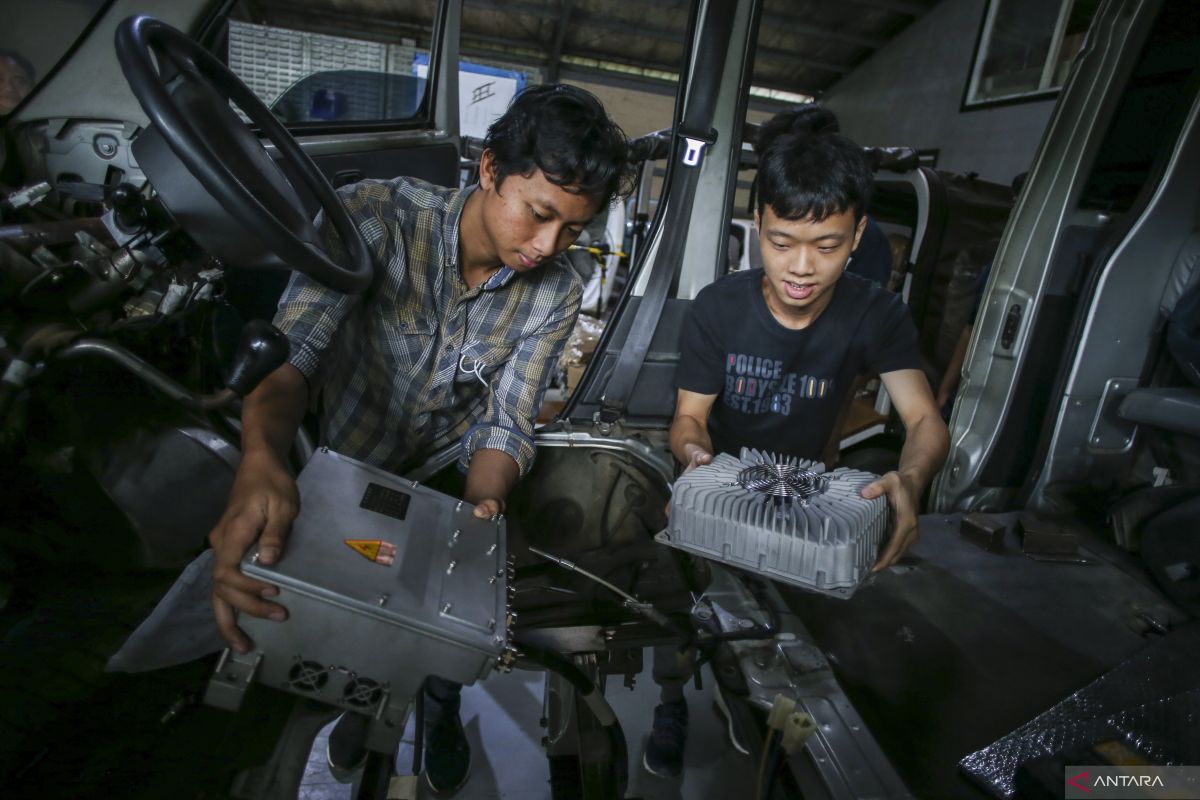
pixel 262 349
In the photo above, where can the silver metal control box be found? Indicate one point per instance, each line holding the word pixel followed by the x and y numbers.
pixel 385 582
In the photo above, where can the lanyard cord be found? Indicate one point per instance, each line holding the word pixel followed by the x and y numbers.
pixel 477 366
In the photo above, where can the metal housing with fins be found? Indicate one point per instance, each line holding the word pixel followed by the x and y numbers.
pixel 783 518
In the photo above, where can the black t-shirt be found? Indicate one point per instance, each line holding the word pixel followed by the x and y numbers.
pixel 872 259
pixel 778 389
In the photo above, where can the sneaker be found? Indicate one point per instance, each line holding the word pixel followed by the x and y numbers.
pixel 346 750
pixel 447 753
pixel 719 702
pixel 664 749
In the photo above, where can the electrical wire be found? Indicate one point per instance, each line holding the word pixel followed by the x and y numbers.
pixel 762 762
pixel 630 602
pixel 775 761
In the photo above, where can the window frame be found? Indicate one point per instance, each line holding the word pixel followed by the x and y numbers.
pixel 215 33
pixel 983 41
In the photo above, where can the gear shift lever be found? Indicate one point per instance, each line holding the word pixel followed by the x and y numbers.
pixel 262 349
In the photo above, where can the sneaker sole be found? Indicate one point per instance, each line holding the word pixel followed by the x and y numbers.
pixel 719 702
pixel 646 766
pixel 342 774
pixel 448 792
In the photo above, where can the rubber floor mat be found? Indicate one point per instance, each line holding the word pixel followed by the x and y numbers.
pixel 1149 703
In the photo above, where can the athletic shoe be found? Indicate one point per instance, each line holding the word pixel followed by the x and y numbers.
pixel 447 752
pixel 664 749
pixel 346 750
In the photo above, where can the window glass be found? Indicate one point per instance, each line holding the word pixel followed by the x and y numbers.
pixel 366 68
pixel 1027 47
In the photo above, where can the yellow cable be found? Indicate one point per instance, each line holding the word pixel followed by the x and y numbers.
pixel 596 251
pixel 762 762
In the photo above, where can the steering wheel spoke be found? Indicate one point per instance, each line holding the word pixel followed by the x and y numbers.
pixel 186 92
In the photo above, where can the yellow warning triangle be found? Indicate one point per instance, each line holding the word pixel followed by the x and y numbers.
pixel 369 548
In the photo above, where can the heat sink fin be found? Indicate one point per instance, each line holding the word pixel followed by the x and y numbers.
pixel 784 518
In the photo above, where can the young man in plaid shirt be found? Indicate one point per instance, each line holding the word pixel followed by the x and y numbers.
pixel 454 341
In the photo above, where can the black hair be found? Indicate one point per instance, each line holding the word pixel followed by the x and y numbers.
pixel 813 175
pixel 21 61
pixel 808 118
pixel 565 132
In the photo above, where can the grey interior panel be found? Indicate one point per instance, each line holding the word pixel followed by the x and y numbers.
pixel 436 163
pixel 654 392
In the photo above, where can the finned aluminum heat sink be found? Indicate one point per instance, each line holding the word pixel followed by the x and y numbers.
pixel 784 518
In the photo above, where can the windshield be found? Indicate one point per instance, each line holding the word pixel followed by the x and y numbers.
pixel 35 36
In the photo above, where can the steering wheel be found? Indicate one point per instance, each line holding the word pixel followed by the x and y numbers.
pixel 186 92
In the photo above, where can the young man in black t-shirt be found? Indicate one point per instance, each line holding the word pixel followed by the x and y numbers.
pixel 768 356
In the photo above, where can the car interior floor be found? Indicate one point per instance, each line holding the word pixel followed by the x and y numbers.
pixel 957 646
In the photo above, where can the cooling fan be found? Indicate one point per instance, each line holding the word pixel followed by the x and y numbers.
pixel 783 518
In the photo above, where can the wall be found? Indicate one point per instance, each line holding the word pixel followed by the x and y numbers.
pixel 642 110
pixel 909 93
pixel 637 111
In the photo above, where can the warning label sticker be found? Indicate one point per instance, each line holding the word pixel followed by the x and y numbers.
pixel 376 550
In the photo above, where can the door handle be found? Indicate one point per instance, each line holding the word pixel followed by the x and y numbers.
pixel 346 176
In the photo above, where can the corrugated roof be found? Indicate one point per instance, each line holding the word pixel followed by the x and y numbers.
pixel 804 46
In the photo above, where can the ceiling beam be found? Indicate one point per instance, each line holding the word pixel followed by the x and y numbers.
pixel 560 36
pixel 530 54
pixel 907 7
pixel 521 9
pixel 496 50
pixel 790 24
pixel 913 8
pixel 500 49
pixel 675 37
pixel 379 30
pixel 787 56
pixel 793 24
pixel 333 23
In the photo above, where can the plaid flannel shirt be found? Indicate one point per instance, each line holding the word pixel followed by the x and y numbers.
pixel 418 361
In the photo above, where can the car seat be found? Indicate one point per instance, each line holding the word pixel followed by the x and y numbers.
pixel 1169 542
pixel 1176 408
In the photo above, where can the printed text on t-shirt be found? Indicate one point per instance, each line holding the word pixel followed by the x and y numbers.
pixel 755 385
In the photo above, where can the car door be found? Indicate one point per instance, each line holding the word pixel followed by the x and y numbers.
pixel 1067 323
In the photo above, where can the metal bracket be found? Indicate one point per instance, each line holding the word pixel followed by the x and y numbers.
pixel 606 420
pixel 1110 433
pixel 233 675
